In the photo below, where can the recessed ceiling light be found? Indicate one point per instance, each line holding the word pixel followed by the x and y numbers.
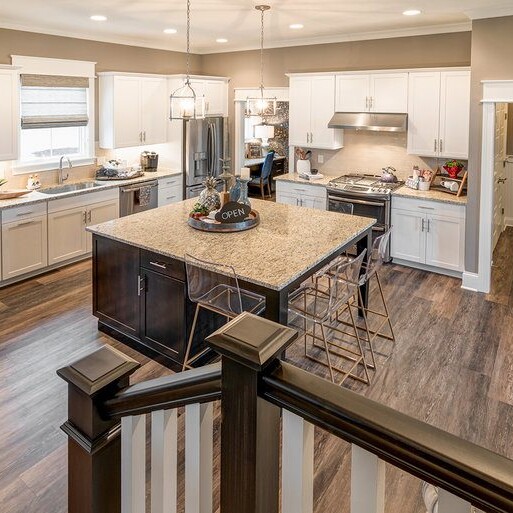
pixel 170 31
pixel 221 40
pixel 99 17
pixel 411 12
pixel 296 26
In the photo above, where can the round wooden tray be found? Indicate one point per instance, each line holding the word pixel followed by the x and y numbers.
pixel 215 226
pixel 13 194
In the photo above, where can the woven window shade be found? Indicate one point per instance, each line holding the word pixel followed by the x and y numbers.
pixel 53 101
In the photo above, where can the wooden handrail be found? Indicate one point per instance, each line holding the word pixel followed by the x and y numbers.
pixel 477 475
pixel 194 386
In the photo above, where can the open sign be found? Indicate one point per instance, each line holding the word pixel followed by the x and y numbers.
pixel 233 212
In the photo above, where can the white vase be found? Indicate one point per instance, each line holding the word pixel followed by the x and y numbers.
pixel 303 167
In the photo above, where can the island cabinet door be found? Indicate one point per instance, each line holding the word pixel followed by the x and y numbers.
pixel 163 314
pixel 116 285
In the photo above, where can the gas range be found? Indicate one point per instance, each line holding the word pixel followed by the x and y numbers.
pixel 363 184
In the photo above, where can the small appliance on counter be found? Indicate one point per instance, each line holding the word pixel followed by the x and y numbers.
pixel 149 161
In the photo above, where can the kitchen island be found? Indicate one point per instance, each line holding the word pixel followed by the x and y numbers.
pixel 139 281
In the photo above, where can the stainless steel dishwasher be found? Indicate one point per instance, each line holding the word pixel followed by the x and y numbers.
pixel 138 197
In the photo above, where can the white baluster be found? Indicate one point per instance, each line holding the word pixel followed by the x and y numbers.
pixel 164 456
pixel 198 458
pixel 449 503
pixel 367 482
pixel 297 464
pixel 133 464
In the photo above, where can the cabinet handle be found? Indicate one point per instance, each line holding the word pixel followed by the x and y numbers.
pixel 140 285
pixel 89 216
pixel 20 214
pixel 426 208
pixel 84 214
pixel 311 137
pixel 160 265
pixel 24 223
pixel 428 221
pixel 144 136
pixel 441 146
pixel 372 102
pixel 307 137
pixel 171 197
pixel 422 227
pixel 366 103
pixel 436 145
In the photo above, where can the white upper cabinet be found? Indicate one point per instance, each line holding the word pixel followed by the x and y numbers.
pixel 454 114
pixel 311 107
pixel 215 91
pixel 438 114
pixel 9 114
pixel 376 92
pixel 133 110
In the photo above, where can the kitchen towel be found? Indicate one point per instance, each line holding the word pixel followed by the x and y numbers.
pixel 144 196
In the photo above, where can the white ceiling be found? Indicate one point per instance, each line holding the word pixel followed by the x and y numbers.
pixel 141 22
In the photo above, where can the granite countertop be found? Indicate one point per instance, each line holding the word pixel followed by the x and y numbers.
pixel 294 178
pixel 286 243
pixel 404 192
pixel 38 197
pixel 431 195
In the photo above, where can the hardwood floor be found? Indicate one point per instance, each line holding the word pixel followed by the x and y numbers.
pixel 452 366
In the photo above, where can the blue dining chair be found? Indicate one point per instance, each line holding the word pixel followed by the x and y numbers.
pixel 265 175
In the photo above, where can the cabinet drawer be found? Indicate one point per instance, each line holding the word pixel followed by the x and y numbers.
pixel 317 191
pixel 170 181
pixel 428 207
pixel 163 265
pixel 29 211
pixel 170 195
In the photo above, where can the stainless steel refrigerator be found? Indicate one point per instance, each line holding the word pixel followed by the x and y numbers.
pixel 203 147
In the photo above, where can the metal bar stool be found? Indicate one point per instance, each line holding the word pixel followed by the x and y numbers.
pixel 317 306
pixel 370 270
pixel 215 287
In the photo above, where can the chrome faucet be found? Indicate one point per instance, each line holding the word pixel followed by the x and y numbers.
pixel 62 178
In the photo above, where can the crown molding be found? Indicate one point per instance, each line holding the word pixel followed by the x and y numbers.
pixel 344 38
pixel 339 38
pixel 490 12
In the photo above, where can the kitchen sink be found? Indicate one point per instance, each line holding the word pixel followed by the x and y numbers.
pixel 70 187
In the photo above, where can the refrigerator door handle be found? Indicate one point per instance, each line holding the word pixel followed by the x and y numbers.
pixel 215 156
pixel 209 149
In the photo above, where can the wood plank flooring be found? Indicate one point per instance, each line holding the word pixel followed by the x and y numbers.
pixel 452 366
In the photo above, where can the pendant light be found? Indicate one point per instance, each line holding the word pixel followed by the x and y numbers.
pixel 261 106
pixel 185 104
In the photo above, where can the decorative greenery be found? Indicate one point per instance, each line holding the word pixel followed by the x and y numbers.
pixel 3 181
pixel 199 210
pixel 454 163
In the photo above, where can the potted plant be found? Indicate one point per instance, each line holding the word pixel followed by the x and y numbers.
pixel 453 168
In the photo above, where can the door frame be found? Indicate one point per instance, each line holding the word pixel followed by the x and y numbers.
pixel 241 94
pixel 494 91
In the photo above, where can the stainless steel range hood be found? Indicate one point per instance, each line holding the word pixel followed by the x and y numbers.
pixel 369 121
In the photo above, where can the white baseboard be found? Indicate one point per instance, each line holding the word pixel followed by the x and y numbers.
pixel 429 268
pixel 508 221
pixel 471 282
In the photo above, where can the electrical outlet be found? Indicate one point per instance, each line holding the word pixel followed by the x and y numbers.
pixel 320 159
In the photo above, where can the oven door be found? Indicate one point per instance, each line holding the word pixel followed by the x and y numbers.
pixel 373 208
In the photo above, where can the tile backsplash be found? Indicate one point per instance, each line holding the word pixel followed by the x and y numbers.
pixel 369 152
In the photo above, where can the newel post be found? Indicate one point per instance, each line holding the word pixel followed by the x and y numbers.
pixel 94 444
pixel 250 426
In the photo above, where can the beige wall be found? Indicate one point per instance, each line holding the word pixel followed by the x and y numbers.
pixel 509 145
pixel 110 57
pixel 492 58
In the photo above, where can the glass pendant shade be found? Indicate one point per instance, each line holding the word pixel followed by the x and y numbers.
pixel 262 106
pixel 185 104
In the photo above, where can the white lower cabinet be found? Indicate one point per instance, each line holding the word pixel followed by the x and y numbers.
pixel 170 190
pixel 428 233
pixel 68 219
pixel 24 245
pixel 311 196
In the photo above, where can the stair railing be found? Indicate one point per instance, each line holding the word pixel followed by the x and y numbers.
pixel 269 411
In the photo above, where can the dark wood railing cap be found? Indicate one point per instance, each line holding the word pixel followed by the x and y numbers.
pixel 251 340
pixel 98 370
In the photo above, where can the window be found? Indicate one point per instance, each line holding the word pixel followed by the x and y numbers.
pixel 54 118
pixel 57 112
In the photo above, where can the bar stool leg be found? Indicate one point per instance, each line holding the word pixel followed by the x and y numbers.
pixel 191 337
pixel 385 307
pixel 367 331
pixel 327 352
pixel 355 327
